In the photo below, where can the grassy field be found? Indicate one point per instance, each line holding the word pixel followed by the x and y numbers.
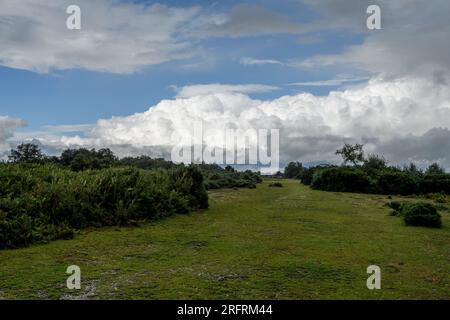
pixel 268 243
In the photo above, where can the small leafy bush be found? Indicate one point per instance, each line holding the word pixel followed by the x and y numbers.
pixel 395 205
pixel 396 208
pixel 421 214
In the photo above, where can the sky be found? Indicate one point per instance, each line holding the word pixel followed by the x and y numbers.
pixel 138 71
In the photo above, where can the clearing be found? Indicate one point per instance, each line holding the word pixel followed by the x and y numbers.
pixel 265 243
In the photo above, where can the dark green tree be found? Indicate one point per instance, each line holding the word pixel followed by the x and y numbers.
pixel 352 153
pixel 293 170
pixel 435 168
pixel 26 153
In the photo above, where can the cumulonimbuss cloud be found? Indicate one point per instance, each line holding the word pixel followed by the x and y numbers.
pixel 379 113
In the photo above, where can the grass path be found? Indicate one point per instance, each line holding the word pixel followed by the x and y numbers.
pixel 268 243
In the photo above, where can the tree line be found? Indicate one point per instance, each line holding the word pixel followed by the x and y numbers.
pixel 370 174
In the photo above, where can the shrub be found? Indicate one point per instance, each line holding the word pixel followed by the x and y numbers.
pixel 342 179
pixel 421 214
pixel 438 197
pixel 306 176
pixel 395 205
pixel 396 182
pixel 293 170
pixel 217 177
pixel 39 203
pixel 435 183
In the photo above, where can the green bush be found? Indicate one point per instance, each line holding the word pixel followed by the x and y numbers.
pixel 342 179
pixel 395 205
pixel 396 182
pixel 39 203
pixel 218 178
pixel 438 197
pixel 421 214
pixel 435 183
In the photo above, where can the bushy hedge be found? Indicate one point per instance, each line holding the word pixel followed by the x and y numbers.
pixel 39 203
pixel 341 180
pixel 395 182
pixel 389 180
pixel 218 178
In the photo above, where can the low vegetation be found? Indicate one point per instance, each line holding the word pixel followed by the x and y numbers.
pixel 372 175
pixel 47 198
pixel 419 214
pixel 275 185
pixel 39 203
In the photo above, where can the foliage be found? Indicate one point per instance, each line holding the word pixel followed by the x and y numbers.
pixel 84 159
pixel 342 179
pixel 293 170
pixel 44 202
pixel 146 162
pixel 374 176
pixel 26 153
pixel 352 153
pixel 217 178
pixel 435 169
pixel 421 214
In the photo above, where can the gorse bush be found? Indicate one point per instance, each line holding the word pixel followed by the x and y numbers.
pixel 44 202
pixel 45 198
pixel 395 182
pixel 218 178
pixel 389 180
pixel 421 214
pixel 341 180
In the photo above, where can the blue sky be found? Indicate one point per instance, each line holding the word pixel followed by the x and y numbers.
pixel 78 96
pixel 139 71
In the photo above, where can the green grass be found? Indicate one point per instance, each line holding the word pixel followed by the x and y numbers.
pixel 268 243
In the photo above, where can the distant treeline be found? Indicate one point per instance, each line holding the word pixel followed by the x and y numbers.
pixel 46 198
pixel 215 177
pixel 371 175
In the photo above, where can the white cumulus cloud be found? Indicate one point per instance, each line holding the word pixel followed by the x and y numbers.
pixel 383 114
pixel 206 89
pixel 114 37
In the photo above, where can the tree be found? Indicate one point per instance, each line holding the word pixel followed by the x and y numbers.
pixel 435 168
pixel 230 169
pixel 374 163
pixel 352 153
pixel 26 153
pixel 293 170
pixel 82 159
